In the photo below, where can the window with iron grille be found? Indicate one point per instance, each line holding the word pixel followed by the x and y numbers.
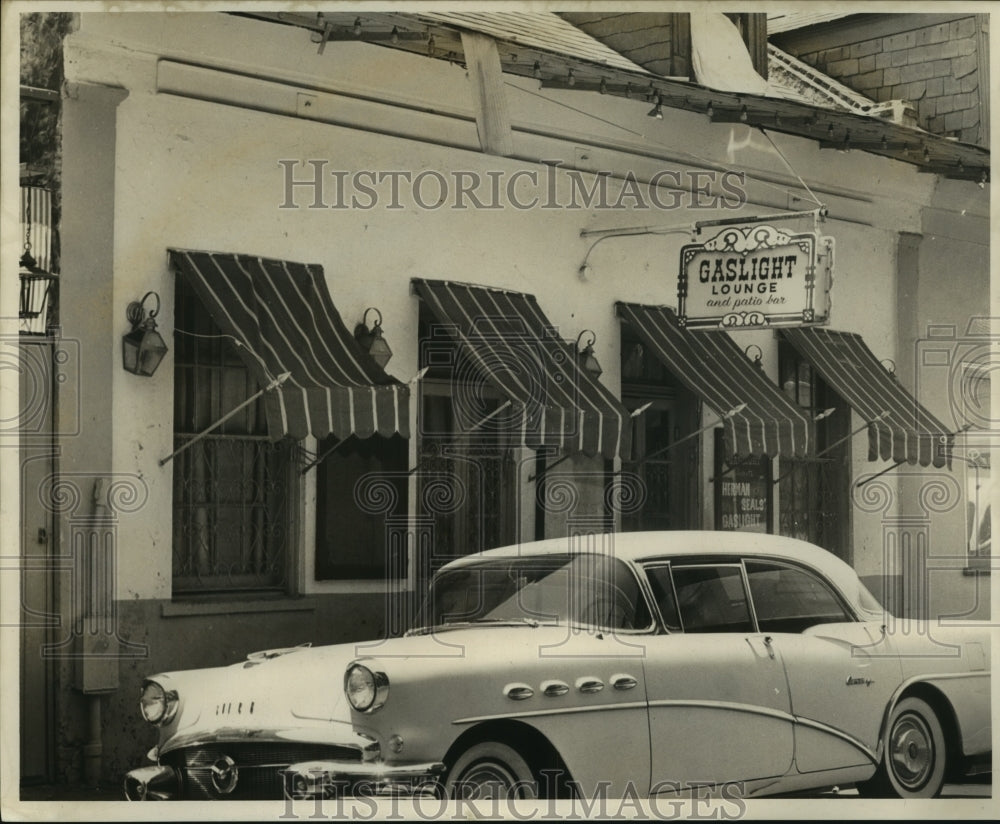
pixel 813 490
pixel 354 540
pixel 467 467
pixel 668 475
pixel 231 487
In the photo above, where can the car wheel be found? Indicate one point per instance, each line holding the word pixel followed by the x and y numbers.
pixel 915 758
pixel 490 770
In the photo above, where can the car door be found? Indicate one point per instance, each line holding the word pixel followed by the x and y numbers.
pixel 719 711
pixel 841 672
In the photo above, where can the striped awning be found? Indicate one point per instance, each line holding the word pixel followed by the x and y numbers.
pixel 710 364
pixel 284 320
pixel 506 340
pixel 899 428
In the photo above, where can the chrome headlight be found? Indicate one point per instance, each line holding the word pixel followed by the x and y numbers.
pixel 366 690
pixel 157 705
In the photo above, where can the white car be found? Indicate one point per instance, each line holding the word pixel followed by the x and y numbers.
pixel 643 663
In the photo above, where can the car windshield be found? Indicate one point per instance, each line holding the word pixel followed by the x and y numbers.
pixel 589 589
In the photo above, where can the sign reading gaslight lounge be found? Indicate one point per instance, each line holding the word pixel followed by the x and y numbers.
pixel 753 277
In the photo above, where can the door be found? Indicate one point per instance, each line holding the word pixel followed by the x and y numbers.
pixel 716 688
pixel 841 673
pixel 37 560
pixel 665 464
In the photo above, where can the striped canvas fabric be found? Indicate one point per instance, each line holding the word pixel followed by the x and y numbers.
pixel 284 320
pixel 505 338
pixel 908 432
pixel 710 364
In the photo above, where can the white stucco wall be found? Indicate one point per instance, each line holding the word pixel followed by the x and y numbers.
pixel 192 173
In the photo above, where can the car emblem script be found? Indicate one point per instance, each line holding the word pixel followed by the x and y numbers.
pixel 225 775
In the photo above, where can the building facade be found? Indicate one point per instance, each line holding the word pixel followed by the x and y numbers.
pixel 286 209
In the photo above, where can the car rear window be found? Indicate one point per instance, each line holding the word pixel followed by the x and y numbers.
pixel 711 598
pixel 788 599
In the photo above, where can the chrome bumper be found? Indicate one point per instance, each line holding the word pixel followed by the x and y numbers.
pixel 153 783
pixel 331 779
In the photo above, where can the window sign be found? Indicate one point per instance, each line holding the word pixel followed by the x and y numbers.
pixel 755 277
pixel 743 498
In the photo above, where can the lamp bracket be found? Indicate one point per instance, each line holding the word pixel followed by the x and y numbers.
pixel 136 310
pixel 591 341
pixel 378 322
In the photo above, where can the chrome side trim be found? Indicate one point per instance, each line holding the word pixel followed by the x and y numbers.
pixel 781 715
pixel 732 706
pixel 589 685
pixel 843 736
pixel 474 719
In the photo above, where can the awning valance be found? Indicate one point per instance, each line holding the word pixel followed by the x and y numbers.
pixel 899 428
pixel 284 320
pixel 506 337
pixel 710 364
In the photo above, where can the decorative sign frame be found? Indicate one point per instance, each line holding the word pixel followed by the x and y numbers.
pixel 755 277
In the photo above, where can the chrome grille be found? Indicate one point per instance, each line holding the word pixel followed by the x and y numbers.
pixel 259 764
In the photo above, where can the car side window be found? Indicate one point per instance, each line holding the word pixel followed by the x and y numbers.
pixel 711 598
pixel 788 599
pixel 663 591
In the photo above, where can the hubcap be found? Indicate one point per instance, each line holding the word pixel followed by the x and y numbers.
pixel 912 751
pixel 489 780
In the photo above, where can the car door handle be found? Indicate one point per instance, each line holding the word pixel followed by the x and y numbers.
pixel 623 681
pixel 767 643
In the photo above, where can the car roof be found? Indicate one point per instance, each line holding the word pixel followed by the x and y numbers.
pixel 645 546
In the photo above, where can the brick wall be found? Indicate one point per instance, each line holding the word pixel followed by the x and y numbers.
pixel 930 61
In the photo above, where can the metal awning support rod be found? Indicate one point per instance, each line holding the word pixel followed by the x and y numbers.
pixel 327 454
pixel 730 468
pixel 553 465
pixel 272 385
pixel 635 413
pixel 472 428
pixel 492 414
pixel 879 474
pixel 836 443
pixel 330 451
pixel 820 212
pixel 734 411
pixel 625 231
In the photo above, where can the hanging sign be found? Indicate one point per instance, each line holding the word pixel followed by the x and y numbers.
pixel 754 277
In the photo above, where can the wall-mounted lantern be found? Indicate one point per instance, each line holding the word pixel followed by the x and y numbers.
pixel 142 348
pixel 371 340
pixel 37 287
pixel 37 284
pixel 587 359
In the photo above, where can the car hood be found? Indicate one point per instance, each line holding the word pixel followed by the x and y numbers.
pixel 294 694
